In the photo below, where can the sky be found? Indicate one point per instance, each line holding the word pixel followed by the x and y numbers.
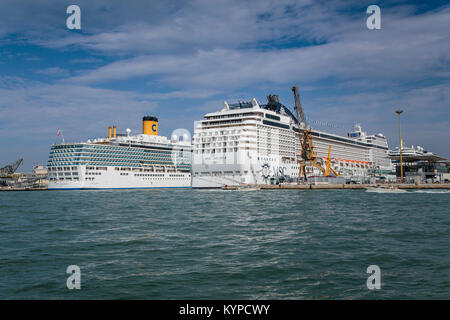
pixel 178 60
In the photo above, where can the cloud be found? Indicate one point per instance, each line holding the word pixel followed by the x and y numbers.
pixel 194 25
pixel 11 82
pixel 86 60
pixel 38 109
pixel 54 72
pixel 227 45
pixel 30 20
pixel 199 53
pixel 406 49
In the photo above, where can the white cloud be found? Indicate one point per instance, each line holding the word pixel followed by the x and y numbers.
pixel 54 72
pixel 208 49
pixel 200 24
pixel 40 108
pixel 406 49
pixel 86 60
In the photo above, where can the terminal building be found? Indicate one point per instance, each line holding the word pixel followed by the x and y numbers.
pixel 420 166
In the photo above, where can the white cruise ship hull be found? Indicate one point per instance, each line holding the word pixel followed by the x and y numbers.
pixel 260 172
pixel 79 178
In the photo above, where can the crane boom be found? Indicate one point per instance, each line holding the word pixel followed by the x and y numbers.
pixel 328 168
pixel 308 155
pixel 298 106
pixel 11 168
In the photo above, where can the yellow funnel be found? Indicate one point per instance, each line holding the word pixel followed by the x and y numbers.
pixel 150 125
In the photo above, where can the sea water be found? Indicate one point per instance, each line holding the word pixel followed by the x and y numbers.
pixel 195 244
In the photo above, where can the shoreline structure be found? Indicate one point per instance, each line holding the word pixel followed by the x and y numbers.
pixel 442 186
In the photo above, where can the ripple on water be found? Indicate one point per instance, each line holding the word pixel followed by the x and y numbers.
pixel 195 244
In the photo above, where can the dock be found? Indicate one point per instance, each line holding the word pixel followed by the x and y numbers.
pixel 21 189
pixel 445 186
pixel 338 186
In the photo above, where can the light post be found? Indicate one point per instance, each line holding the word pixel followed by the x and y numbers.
pixel 399 112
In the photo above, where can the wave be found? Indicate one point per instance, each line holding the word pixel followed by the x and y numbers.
pixel 432 191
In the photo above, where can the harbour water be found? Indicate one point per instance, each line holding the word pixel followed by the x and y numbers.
pixel 194 244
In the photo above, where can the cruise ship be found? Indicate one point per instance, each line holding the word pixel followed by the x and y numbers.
pixel 412 151
pixel 255 143
pixel 144 160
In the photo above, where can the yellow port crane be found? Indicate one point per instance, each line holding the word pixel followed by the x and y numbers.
pixel 308 154
pixel 327 170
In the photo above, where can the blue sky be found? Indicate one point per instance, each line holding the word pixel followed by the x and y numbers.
pixel 179 60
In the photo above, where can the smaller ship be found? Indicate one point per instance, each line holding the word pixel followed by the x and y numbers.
pixel 122 161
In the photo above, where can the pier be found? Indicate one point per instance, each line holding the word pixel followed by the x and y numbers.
pixel 339 186
pixel 22 188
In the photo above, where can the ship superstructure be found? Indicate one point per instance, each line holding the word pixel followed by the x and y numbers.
pixel 254 143
pixel 121 161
